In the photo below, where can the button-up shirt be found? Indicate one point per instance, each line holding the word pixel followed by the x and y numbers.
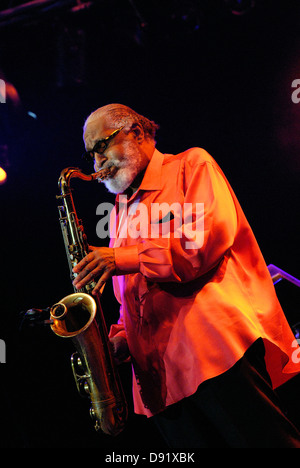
pixel 193 287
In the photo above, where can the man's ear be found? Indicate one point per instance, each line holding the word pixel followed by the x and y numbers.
pixel 138 131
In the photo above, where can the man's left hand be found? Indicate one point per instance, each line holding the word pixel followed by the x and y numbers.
pixel 99 262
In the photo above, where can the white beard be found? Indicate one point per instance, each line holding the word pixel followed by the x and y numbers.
pixel 128 168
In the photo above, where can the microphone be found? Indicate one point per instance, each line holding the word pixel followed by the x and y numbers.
pixel 33 317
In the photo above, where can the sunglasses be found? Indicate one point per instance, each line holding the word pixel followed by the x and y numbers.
pixel 100 146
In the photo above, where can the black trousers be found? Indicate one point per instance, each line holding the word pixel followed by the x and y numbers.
pixel 237 409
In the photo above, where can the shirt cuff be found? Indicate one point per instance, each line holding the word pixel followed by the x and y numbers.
pixel 127 260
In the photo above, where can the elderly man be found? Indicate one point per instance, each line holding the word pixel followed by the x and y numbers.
pixel 199 316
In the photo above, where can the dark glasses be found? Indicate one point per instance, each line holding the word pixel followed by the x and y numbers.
pixel 100 146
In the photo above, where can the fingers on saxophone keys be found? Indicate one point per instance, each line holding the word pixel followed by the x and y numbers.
pixel 83 263
pixel 98 288
pixel 83 278
pixel 101 283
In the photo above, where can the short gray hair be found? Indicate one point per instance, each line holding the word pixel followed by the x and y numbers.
pixel 119 114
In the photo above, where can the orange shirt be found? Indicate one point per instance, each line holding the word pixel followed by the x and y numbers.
pixel 193 297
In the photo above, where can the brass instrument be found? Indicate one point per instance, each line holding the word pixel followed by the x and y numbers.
pixel 79 316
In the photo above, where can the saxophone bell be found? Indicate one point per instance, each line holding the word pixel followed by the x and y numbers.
pixel 58 311
pixel 75 317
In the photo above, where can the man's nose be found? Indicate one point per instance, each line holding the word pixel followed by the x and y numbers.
pixel 99 161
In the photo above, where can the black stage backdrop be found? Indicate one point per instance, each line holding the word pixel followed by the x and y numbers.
pixel 214 74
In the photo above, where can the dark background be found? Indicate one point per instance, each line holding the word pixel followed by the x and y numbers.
pixel 211 77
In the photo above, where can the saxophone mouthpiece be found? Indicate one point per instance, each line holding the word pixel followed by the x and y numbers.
pixel 106 173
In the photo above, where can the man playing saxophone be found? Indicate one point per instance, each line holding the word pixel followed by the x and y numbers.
pixel 199 316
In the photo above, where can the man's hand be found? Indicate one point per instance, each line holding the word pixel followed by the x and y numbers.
pixel 120 349
pixel 99 262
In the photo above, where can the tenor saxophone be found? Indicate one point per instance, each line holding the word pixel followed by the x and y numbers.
pixel 79 316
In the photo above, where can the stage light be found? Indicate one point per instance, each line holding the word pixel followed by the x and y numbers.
pixel 4 163
pixel 32 114
pixel 3 176
pixel 10 112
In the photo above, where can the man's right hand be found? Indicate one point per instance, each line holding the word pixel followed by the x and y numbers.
pixel 120 349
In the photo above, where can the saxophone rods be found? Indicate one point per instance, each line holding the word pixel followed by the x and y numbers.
pixel 79 316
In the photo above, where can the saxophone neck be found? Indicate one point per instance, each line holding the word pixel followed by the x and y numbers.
pixel 73 173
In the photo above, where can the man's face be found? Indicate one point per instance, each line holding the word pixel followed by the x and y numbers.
pixel 123 153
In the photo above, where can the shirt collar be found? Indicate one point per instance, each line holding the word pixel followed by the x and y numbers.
pixel 152 178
